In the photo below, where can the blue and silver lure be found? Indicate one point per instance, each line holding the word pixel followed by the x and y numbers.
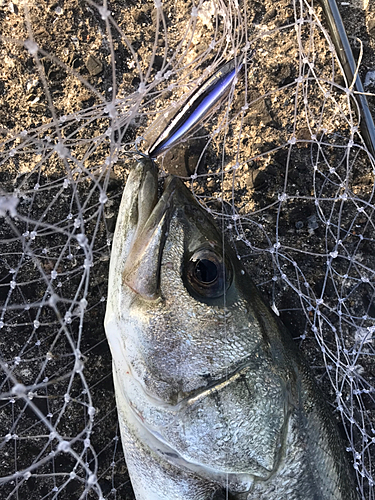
pixel 199 105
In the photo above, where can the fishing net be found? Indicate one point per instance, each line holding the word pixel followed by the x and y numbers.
pixel 282 164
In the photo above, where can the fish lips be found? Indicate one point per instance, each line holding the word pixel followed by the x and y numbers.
pixel 141 271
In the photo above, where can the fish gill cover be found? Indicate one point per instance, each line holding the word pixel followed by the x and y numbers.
pixel 282 165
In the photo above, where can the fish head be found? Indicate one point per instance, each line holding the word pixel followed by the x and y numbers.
pixel 181 313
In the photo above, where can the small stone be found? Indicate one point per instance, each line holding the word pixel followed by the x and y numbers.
pixel 12 8
pixel 257 180
pixel 369 79
pixel 312 222
pixel 371 27
pixel 94 66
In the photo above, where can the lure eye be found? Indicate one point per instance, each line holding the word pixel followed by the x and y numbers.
pixel 208 276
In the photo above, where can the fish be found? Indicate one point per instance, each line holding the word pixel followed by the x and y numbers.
pixel 214 399
pixel 198 106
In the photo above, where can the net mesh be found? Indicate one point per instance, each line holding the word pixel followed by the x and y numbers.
pixel 281 164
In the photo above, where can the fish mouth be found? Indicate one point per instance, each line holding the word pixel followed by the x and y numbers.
pixel 141 271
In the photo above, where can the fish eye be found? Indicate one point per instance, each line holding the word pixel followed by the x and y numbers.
pixel 207 274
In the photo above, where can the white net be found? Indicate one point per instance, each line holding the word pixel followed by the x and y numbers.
pixel 282 164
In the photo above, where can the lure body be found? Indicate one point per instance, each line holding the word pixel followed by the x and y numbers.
pixel 197 108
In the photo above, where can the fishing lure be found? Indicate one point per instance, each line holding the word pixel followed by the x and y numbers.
pixel 197 107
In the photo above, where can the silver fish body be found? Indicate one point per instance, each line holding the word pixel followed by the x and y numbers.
pixel 214 400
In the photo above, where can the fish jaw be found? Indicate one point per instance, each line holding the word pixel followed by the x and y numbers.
pixel 126 227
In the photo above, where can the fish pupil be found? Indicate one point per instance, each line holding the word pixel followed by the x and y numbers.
pixel 206 275
pixel 206 271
